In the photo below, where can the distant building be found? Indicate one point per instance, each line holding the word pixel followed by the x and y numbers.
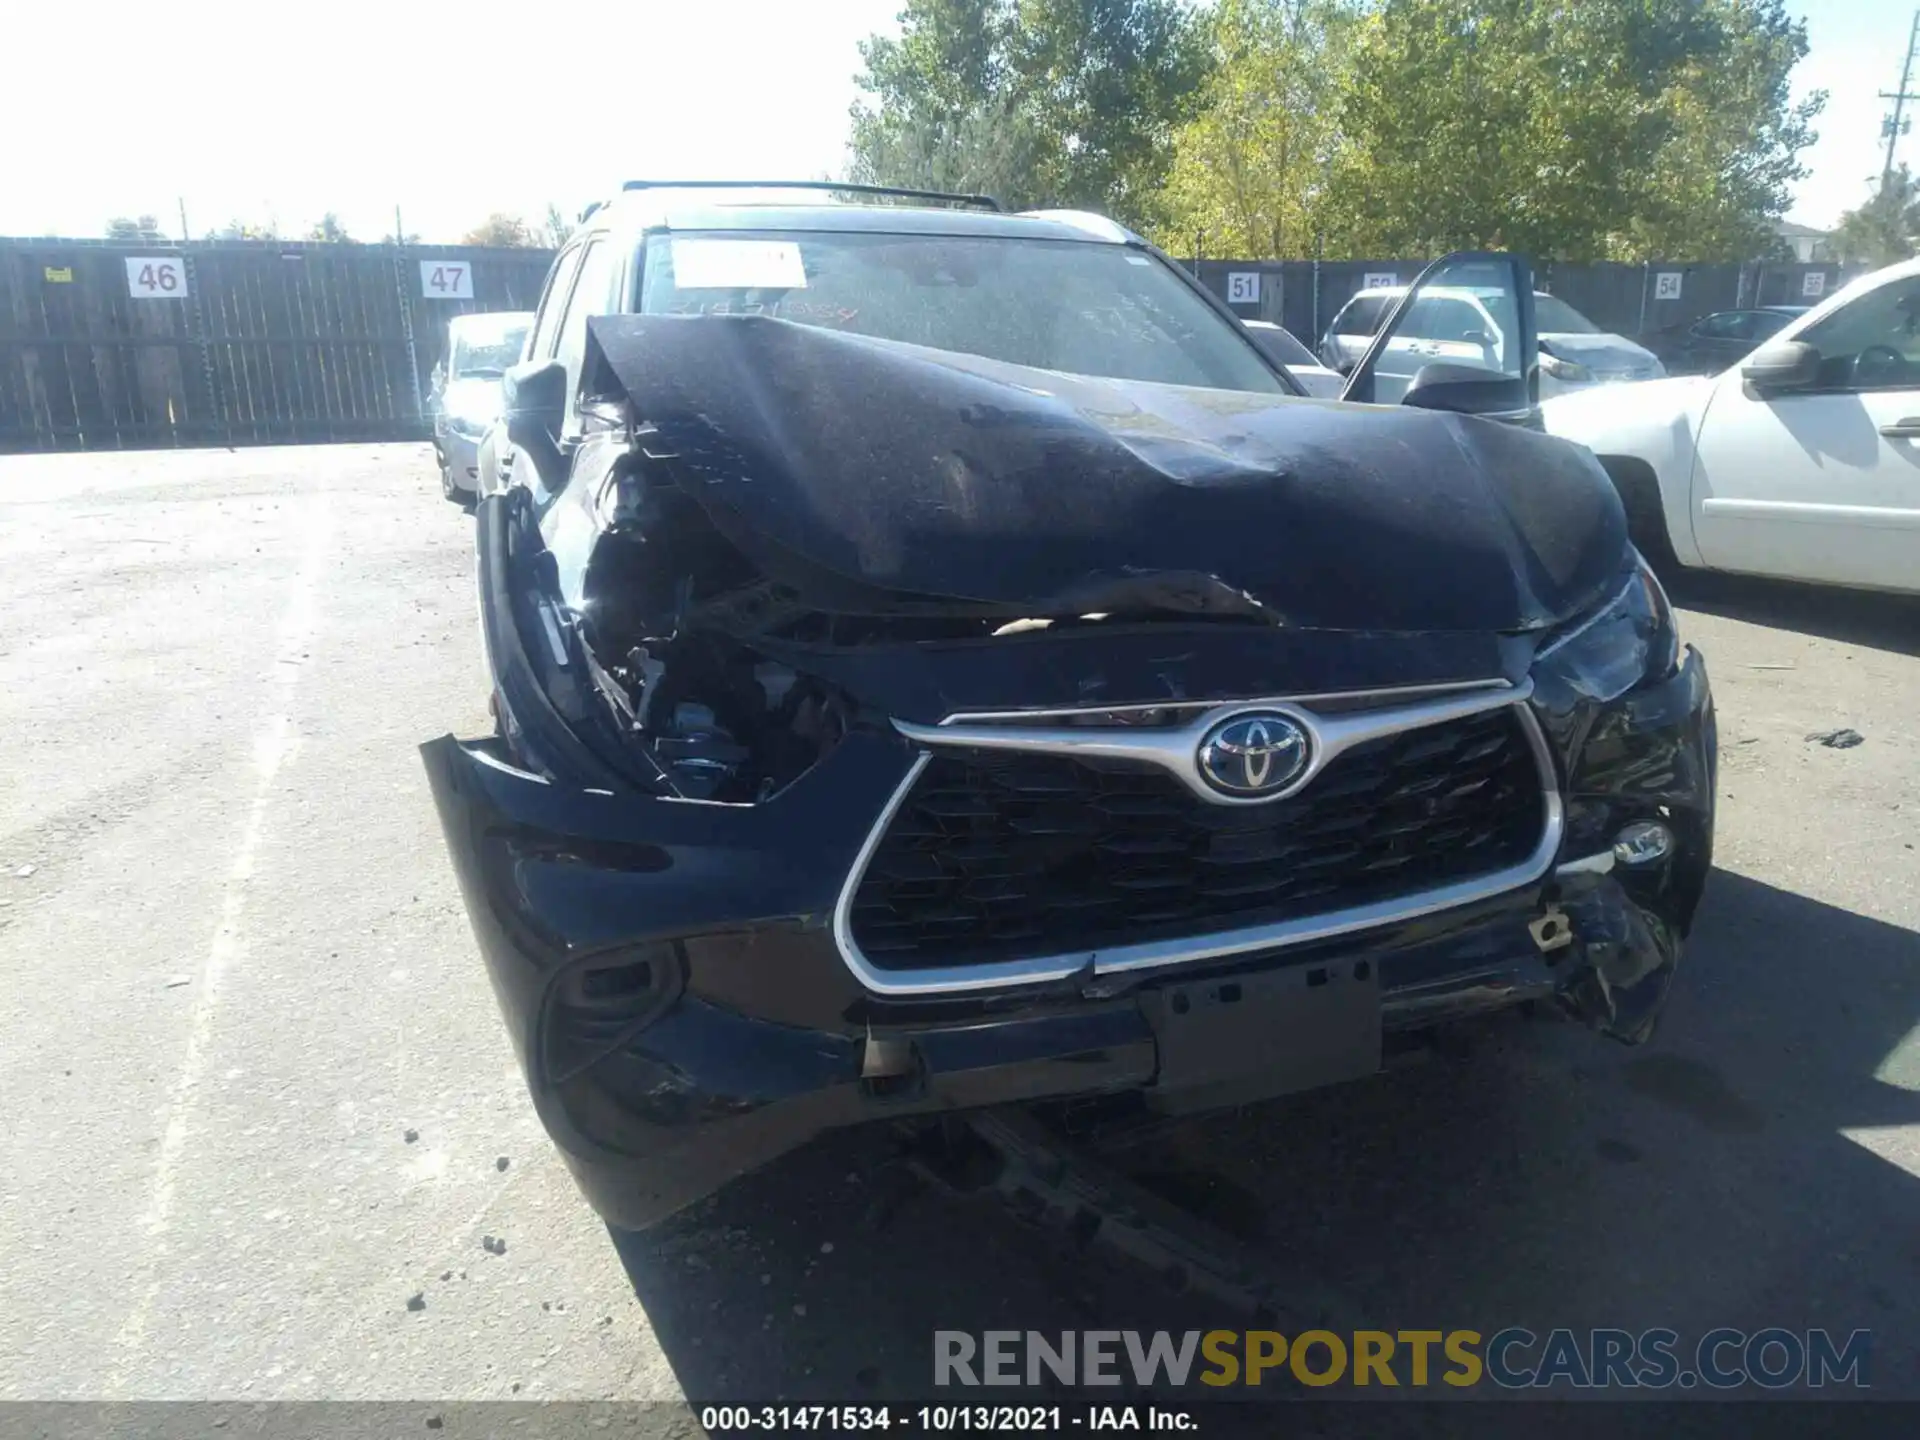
pixel 1809 246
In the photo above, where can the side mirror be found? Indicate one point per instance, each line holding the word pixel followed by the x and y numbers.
pixel 535 394
pixel 1467 390
pixel 1479 337
pixel 535 398
pixel 1788 365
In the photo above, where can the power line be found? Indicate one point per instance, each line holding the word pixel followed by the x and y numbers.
pixel 1892 126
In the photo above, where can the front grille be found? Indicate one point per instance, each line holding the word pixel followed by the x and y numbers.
pixel 999 856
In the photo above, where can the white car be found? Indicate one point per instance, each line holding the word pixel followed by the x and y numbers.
pixel 1803 461
pixel 1464 324
pixel 1281 346
pixel 467 394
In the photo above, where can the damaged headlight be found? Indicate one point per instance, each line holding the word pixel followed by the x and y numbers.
pixel 1569 370
pixel 700 756
pixel 1628 640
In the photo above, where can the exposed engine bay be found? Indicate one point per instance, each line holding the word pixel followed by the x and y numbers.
pixel 785 515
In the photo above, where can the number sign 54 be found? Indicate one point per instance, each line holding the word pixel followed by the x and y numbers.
pixel 156 277
pixel 446 279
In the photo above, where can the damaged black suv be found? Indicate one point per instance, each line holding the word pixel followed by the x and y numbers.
pixel 939 662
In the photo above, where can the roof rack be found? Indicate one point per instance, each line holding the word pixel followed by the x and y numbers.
pixel 978 202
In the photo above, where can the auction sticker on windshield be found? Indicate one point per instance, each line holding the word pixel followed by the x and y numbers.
pixel 737 264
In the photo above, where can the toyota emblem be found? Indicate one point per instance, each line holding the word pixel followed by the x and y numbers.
pixel 1254 755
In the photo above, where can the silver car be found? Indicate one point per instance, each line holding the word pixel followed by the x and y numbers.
pixel 467 396
pixel 1462 325
pixel 1281 346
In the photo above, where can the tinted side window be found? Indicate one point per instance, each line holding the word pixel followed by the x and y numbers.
pixel 1729 325
pixel 1872 343
pixel 553 300
pixel 1440 317
pixel 589 298
pixel 1363 316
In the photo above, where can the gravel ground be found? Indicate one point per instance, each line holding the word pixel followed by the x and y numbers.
pixel 259 1097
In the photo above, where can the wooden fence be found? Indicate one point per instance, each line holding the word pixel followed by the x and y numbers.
pixel 106 346
pixel 1644 302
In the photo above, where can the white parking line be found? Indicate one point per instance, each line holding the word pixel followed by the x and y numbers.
pixel 273 745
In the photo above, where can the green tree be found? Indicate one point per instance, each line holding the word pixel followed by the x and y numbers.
pixel 1886 228
pixel 143 228
pixel 1731 141
pixel 558 228
pixel 237 229
pixel 329 230
pixel 501 229
pixel 1042 102
pixel 1574 129
pixel 1249 170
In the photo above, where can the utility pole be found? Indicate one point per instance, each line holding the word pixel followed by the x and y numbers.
pixel 184 236
pixel 1892 126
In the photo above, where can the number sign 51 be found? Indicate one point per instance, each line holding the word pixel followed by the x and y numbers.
pixel 446 279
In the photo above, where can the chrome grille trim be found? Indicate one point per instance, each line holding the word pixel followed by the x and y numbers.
pixel 1143 746
pixel 1403 692
pixel 1176 749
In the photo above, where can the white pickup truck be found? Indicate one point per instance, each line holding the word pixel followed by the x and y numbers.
pixel 1802 461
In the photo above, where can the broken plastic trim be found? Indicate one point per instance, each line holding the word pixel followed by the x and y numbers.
pixel 1045 969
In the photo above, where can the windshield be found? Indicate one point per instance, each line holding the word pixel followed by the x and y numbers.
pixel 1281 346
pixel 1081 307
pixel 487 354
pixel 1553 316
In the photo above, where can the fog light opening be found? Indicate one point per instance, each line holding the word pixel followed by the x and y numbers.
pixel 597 1005
pixel 1642 843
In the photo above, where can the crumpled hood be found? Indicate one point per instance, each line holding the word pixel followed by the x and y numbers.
pixel 829 457
pixel 1599 352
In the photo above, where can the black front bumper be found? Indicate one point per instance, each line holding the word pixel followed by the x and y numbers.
pixel 759 1036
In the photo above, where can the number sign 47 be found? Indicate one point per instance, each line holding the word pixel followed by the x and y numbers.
pixel 446 279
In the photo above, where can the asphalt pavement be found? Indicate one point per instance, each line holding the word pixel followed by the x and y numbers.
pixel 261 1117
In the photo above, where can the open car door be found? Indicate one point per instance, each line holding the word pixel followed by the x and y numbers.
pixel 1462 338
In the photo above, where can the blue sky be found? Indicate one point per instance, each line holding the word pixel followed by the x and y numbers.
pixel 265 111
pixel 1856 47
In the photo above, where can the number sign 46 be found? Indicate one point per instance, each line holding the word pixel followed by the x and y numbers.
pixel 446 279
pixel 156 277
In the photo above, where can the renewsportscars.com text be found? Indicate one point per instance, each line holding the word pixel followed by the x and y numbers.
pixel 1514 1358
